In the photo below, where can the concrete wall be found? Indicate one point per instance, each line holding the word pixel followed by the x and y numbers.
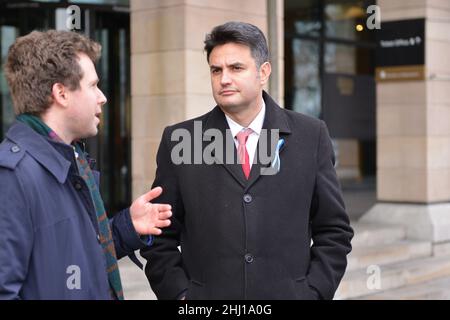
pixel 413 118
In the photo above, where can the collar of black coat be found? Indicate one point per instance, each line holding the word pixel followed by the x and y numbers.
pixel 275 117
pixel 42 150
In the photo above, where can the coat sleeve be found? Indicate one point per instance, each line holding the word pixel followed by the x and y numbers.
pixel 164 267
pixel 126 239
pixel 330 226
pixel 16 235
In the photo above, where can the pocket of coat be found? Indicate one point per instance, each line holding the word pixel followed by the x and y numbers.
pixel 194 289
pixel 304 291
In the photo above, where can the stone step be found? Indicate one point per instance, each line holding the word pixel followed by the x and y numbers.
pixel 362 257
pixel 430 290
pixel 361 282
pixel 369 234
pixel 134 282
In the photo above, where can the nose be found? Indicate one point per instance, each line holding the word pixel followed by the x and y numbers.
pixel 102 99
pixel 225 79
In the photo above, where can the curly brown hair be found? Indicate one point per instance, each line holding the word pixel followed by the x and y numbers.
pixel 37 61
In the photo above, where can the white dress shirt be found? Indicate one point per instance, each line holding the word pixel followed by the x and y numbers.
pixel 253 138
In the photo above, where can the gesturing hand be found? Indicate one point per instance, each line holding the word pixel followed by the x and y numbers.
pixel 149 217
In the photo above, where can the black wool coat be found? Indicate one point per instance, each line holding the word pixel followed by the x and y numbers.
pixel 279 236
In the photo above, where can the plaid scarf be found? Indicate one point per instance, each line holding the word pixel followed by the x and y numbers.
pixel 85 172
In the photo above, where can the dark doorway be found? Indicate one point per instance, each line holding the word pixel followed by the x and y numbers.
pixel 329 74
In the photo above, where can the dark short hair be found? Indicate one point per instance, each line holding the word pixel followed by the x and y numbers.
pixel 37 61
pixel 242 33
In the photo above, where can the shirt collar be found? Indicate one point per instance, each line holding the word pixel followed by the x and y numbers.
pixel 256 125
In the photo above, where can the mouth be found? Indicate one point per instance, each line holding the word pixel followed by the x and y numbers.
pixel 227 92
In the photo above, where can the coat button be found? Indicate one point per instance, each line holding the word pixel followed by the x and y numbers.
pixel 248 258
pixel 248 198
pixel 98 238
pixel 15 149
pixel 78 186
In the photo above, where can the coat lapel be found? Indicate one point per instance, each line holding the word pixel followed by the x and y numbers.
pixel 218 121
pixel 275 118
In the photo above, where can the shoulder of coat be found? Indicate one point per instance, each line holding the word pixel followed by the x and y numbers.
pixel 10 154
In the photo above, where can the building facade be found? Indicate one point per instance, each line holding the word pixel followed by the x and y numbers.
pixel 394 134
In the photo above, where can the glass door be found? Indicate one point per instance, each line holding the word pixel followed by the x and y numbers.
pixel 7 36
pixel 329 74
pixel 112 147
pixel 16 18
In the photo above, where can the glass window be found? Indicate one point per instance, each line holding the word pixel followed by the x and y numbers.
pixel 345 19
pixel 112 146
pixel 7 36
pixel 306 85
pixel 328 53
pixel 340 58
pixel 101 143
pixel 108 2
pixel 302 17
pixel 348 59
pixel 99 2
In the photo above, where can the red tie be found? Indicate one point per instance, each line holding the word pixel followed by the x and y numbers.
pixel 242 137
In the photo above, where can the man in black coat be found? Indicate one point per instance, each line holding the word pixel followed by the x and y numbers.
pixel 258 212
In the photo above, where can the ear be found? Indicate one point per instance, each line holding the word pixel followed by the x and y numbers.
pixel 60 94
pixel 264 72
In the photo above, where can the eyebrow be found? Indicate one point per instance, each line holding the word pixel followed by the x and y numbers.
pixel 234 64
pixel 214 67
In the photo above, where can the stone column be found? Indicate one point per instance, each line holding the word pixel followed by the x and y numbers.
pixel 275 9
pixel 413 132
pixel 170 74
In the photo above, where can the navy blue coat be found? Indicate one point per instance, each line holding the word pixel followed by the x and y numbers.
pixel 49 247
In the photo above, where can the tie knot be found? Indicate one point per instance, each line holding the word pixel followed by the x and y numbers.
pixel 242 135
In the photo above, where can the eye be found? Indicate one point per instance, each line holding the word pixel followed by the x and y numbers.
pixel 237 68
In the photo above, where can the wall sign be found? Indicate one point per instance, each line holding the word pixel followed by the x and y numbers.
pixel 400 53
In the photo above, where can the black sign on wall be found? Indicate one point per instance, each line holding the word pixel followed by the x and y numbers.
pixel 401 43
pixel 400 53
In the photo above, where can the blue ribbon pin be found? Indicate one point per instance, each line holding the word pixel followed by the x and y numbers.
pixel 276 163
